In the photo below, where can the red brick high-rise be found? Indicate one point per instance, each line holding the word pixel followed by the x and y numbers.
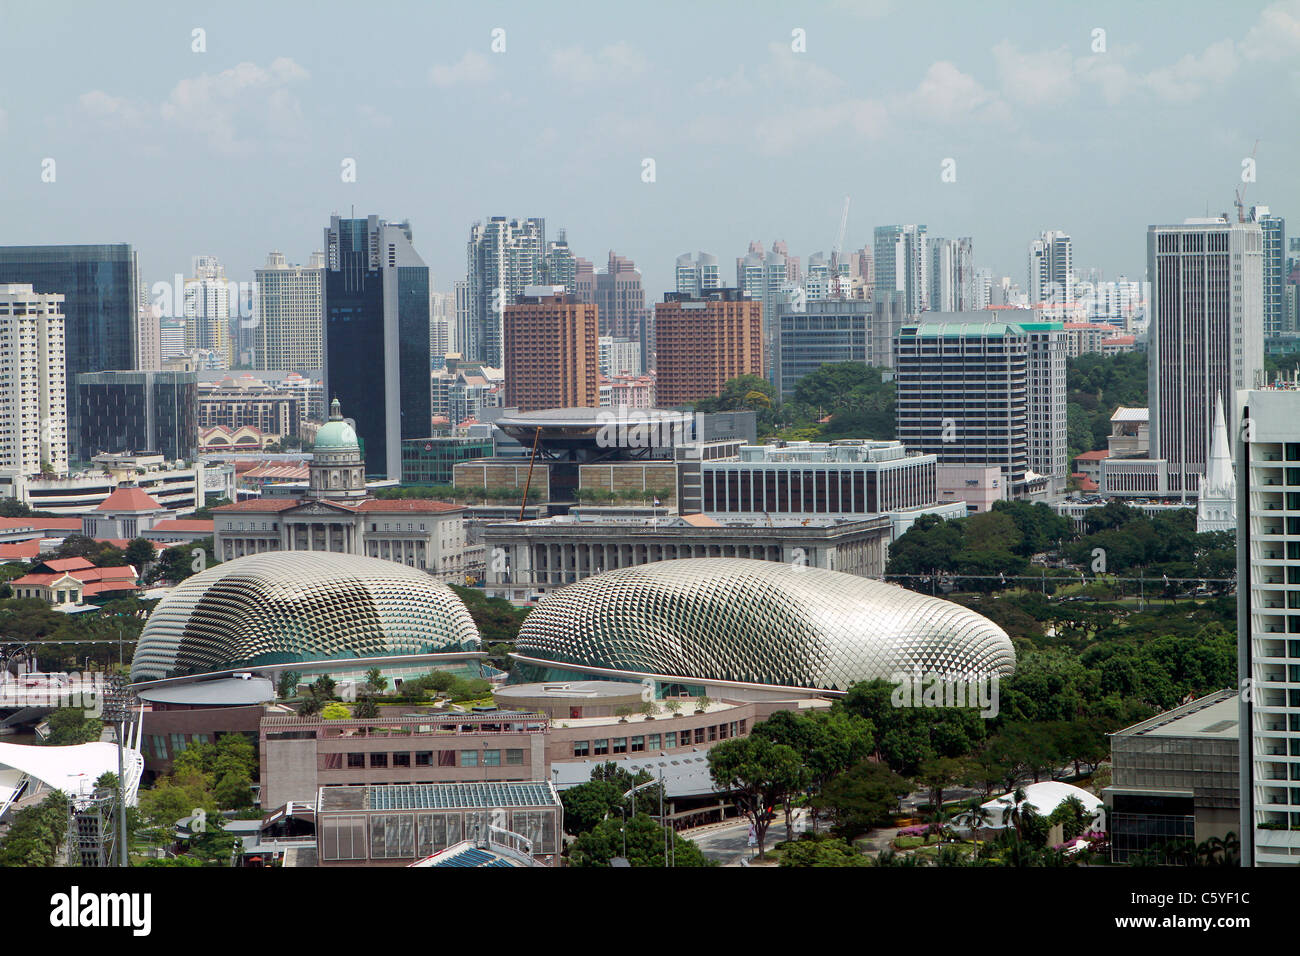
pixel 702 342
pixel 551 352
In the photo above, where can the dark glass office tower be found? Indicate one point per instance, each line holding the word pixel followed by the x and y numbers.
pixel 138 412
pixel 101 288
pixel 377 336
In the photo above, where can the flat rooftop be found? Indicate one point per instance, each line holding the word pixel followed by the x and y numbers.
pixel 438 796
pixel 1213 717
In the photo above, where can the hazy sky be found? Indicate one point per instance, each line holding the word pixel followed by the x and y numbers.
pixel 238 150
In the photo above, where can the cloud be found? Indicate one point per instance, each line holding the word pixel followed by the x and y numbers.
pixel 374 118
pixel 946 94
pixel 1034 78
pixel 798 129
pixel 1276 35
pixel 114 110
pixel 1192 75
pixel 617 62
pixel 737 84
pixel 217 106
pixel 792 71
pixel 472 69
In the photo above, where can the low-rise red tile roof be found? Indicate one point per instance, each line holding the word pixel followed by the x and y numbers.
pixel 129 499
pixel 1092 455
pixel 398 505
pixel 195 525
pixel 118 577
pixel 20 550
pixel 41 524
pixel 256 505
pixel 1085 483
pixel 67 564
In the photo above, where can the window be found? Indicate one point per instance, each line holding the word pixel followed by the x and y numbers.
pixel 356 761
pixel 600 747
pixel 379 760
pixel 491 758
pixel 514 758
pixel 653 742
pixel 638 744
pixel 620 745
pixel 424 758
pixel 699 735
pixel 401 760
pixel 469 758
pixel 713 732
pixel 581 748
pixel 446 758
pixel 670 739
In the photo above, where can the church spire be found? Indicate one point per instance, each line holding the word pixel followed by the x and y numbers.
pixel 1218 471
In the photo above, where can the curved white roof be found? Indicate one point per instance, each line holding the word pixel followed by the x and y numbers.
pixel 73 769
pixel 1045 797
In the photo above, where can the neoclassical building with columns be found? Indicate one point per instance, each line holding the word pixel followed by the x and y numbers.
pixel 337 514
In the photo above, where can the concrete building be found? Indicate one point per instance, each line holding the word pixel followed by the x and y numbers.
pixel 249 402
pixel 695 276
pixel 702 343
pixel 621 300
pixel 977 486
pixel 207 309
pixel 1207 336
pixel 815 333
pixel 952 275
pixel 503 257
pixel 620 356
pixel 1051 271
pixel 291 314
pixel 337 514
pixel 552 352
pixel 33 388
pixel 527 559
pixel 125 412
pixel 963 396
pixel 901 265
pixel 1273 230
pixel 463 390
pixel 179 486
pixel 1267 448
pixel 1174 777
pixel 377 334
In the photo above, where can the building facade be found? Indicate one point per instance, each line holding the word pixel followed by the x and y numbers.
pixel 902 265
pixel 702 343
pixel 291 314
pixel 33 386
pixel 820 332
pixel 552 352
pixel 377 334
pixel 145 412
pixel 503 257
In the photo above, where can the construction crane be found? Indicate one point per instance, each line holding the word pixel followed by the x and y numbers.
pixel 837 249
pixel 1241 192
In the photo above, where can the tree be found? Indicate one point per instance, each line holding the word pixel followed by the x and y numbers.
pixel 364 709
pixel 937 774
pixel 828 851
pixel 758 774
pixel 861 796
pixel 287 687
pixel 645 839
pixel 70 725
pixel 588 804
pixel 376 681
pixel 335 710
pixel 36 834
pixel 139 552
pixel 827 744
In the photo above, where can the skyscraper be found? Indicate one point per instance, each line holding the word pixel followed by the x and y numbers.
pixel 697 275
pixel 559 265
pixel 377 335
pixel 703 342
pixel 902 265
pixel 503 257
pixel 207 309
pixel 621 299
pixel 100 288
pixel 1207 335
pixel 1274 230
pixel 1051 269
pixel 824 331
pixel 291 314
pixel 963 394
pixel 952 275
pixel 33 400
pixel 552 352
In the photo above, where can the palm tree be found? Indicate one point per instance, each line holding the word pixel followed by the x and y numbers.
pixel 978 816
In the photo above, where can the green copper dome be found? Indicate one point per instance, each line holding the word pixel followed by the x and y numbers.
pixel 336 433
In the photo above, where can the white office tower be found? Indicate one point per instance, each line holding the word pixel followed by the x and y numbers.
pixel 695 276
pixel 459 333
pixel 503 257
pixel 952 275
pixel 1206 336
pixel 33 387
pixel 902 265
pixel 1051 271
pixel 291 313
pixel 1216 508
pixel 1267 447
pixel 439 339
pixel 983 289
pixel 207 310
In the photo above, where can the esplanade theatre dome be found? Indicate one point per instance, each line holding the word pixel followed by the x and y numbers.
pixel 284 607
pixel 700 620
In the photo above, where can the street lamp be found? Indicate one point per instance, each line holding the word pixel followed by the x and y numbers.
pixel 117 710
pixel 623 810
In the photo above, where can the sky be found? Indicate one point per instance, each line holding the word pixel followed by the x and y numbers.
pixel 760 118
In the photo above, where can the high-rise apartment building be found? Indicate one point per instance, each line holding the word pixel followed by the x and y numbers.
pixel 291 314
pixel 33 384
pixel 621 299
pixel 100 288
pixel 619 356
pixel 1274 233
pixel 1267 452
pixel 376 343
pixel 1206 335
pixel 503 256
pixel 963 395
pixel 701 342
pixel 207 309
pixel 952 275
pixel 1051 270
pixel 1048 410
pixel 902 265
pixel 769 278
pixel 560 265
pixel 552 351
pixel 697 275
